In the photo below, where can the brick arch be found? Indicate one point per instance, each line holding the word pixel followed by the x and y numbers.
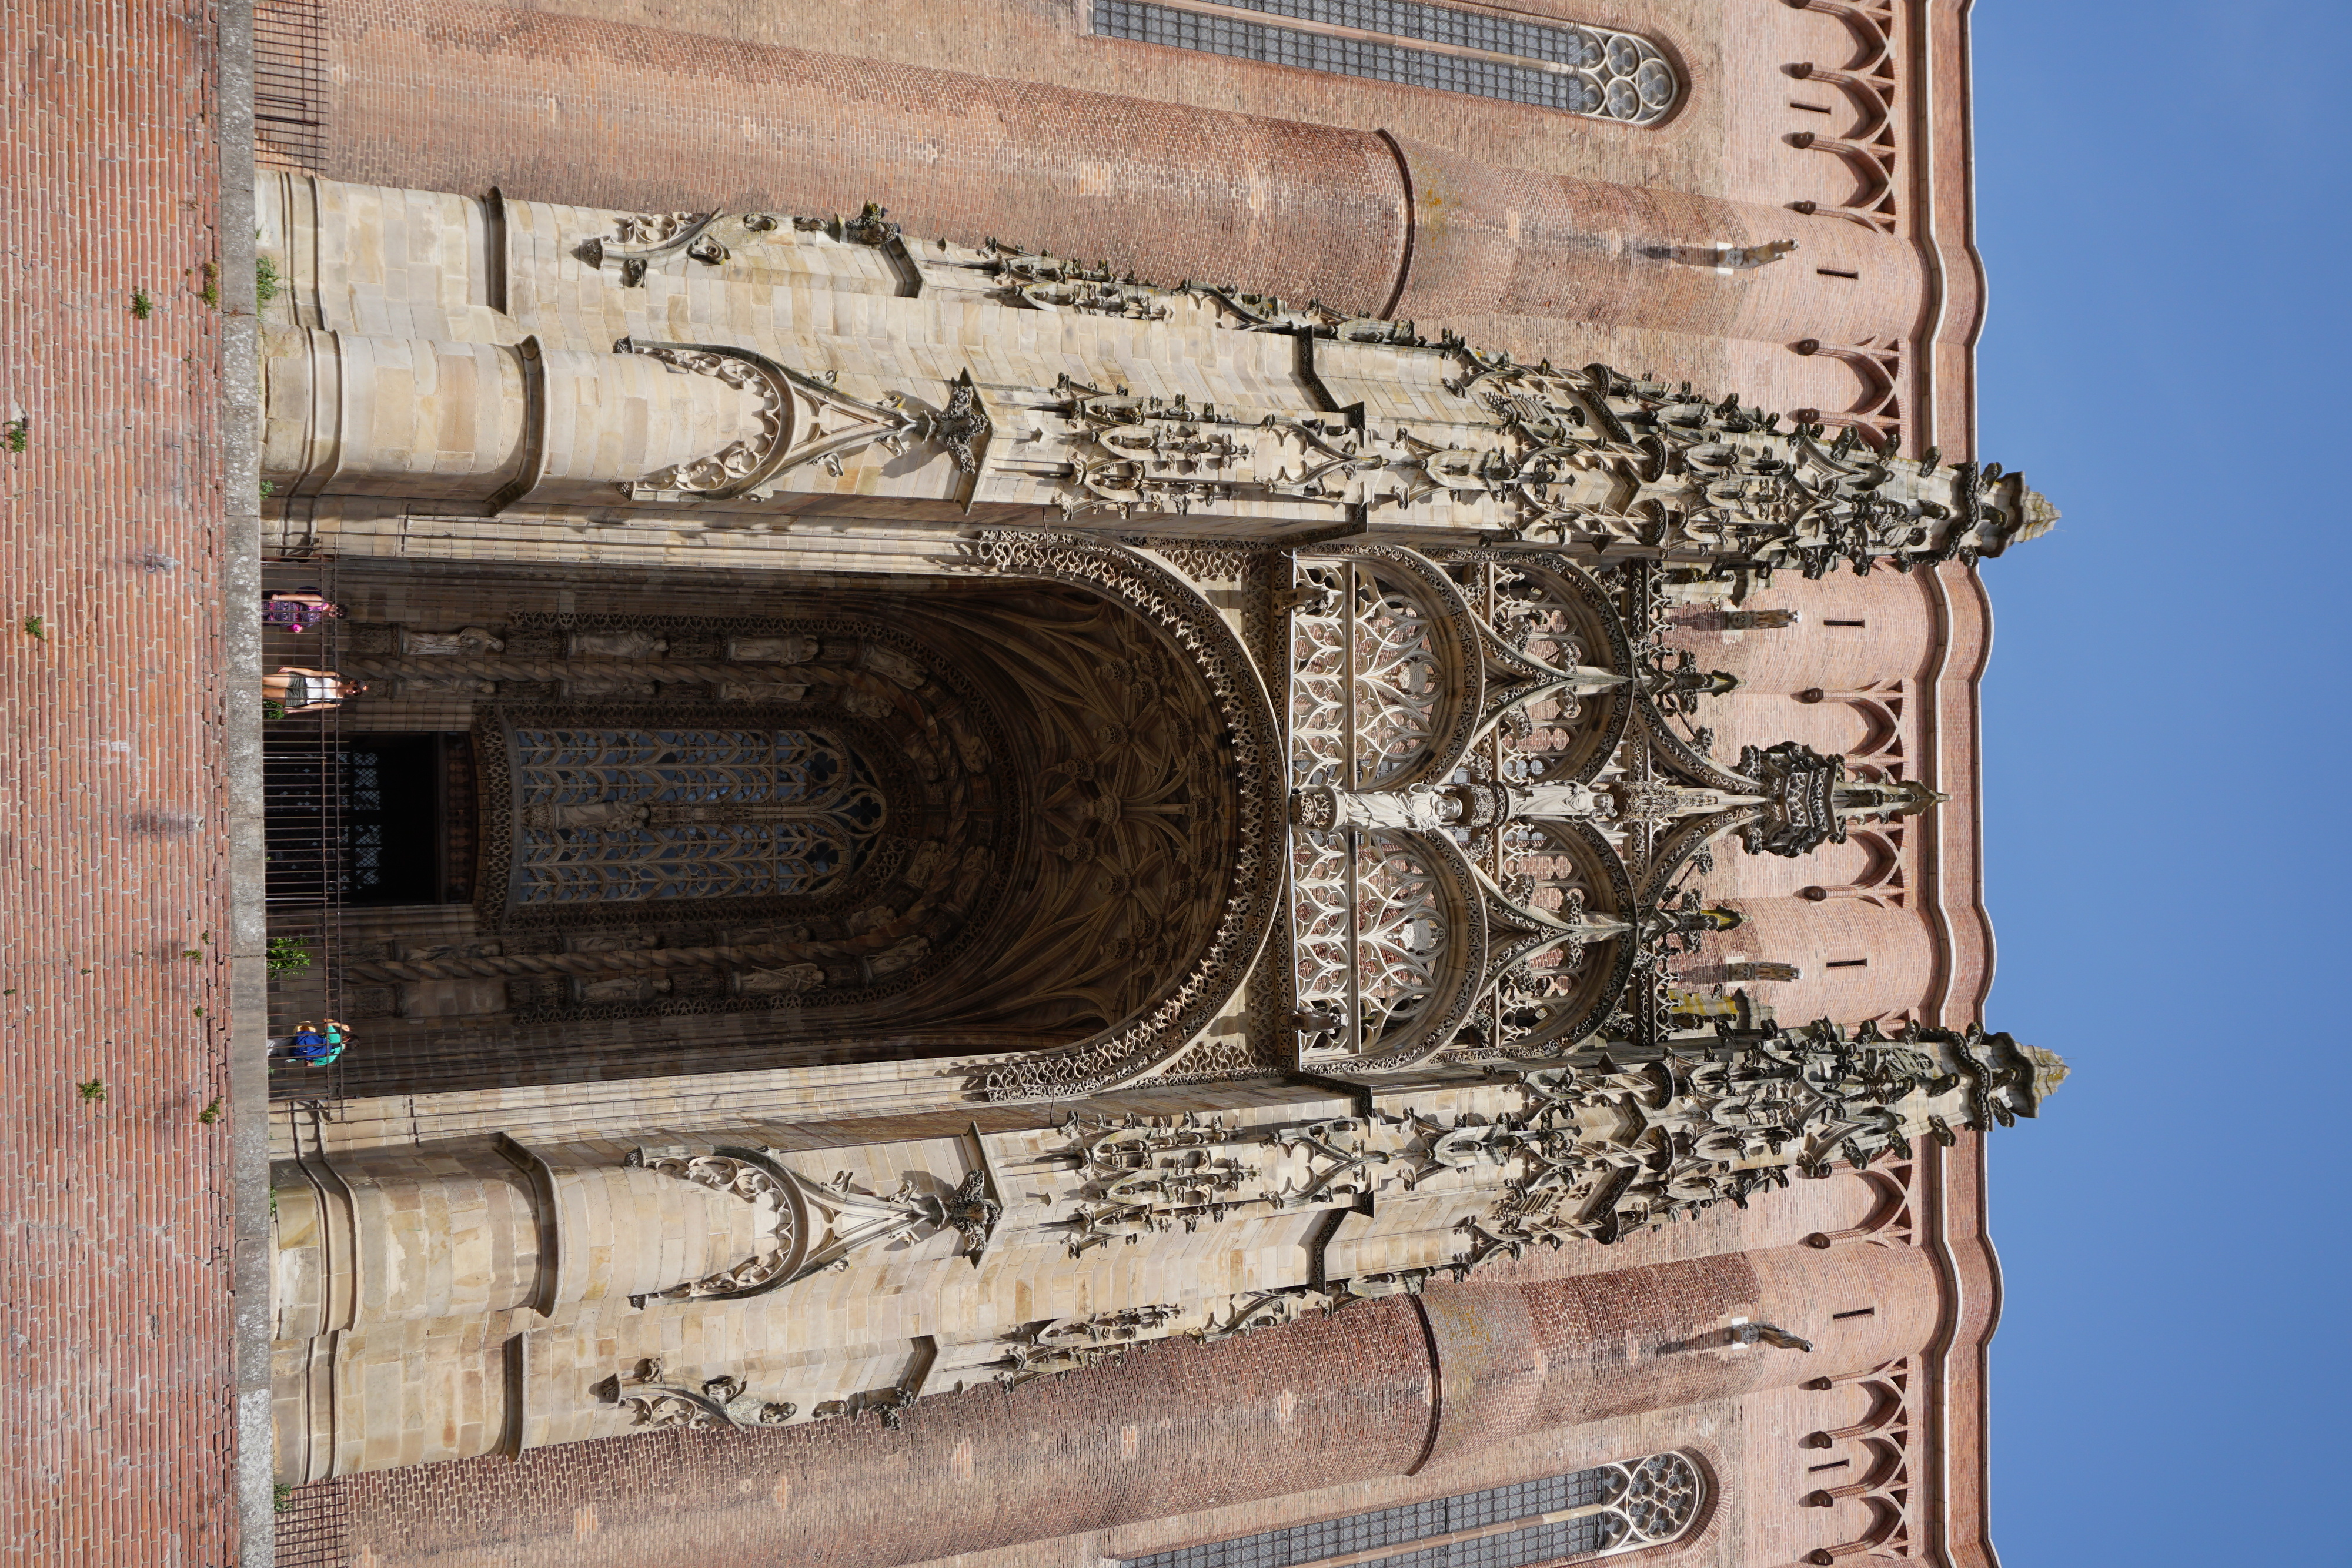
pixel 1899 945
pixel 1896 640
pixel 1766 718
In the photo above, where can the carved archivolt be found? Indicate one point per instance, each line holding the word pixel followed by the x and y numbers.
pixel 1129 862
pixel 1135 1045
pixel 816 814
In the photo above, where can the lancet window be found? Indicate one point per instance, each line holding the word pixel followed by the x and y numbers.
pixel 1591 71
pixel 1541 615
pixel 606 814
pixel 1372 930
pixel 1605 1511
pixel 1369 684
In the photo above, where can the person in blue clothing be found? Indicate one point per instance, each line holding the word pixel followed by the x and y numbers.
pixel 311 1044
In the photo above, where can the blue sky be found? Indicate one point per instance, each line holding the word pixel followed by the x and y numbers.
pixel 2163 207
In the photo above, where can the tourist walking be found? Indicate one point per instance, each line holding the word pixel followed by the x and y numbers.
pixel 301 612
pixel 313 1045
pixel 295 689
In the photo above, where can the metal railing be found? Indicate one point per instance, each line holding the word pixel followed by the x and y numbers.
pixel 290 84
pixel 313 1527
pixel 305 802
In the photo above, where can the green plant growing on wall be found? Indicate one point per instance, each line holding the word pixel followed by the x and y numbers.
pixel 211 1113
pixel 210 292
pixel 286 955
pixel 266 281
pixel 18 433
pixel 36 627
pixel 142 304
pixel 93 1091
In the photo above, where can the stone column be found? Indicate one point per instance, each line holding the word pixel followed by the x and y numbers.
pixel 402 1276
pixel 483 422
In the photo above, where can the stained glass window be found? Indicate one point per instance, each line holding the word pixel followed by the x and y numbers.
pixel 606 814
pixel 1600 1512
pixel 1592 71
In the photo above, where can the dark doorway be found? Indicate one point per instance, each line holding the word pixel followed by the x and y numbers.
pixel 371 820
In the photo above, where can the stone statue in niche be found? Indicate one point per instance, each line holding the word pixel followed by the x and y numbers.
pixel 930 857
pixel 905 954
pixel 635 687
pixel 762 692
pixel 788 980
pixel 760 936
pixel 609 815
pixel 614 645
pixel 446 686
pixel 605 941
pixel 891 666
pixel 465 640
pixel 771 650
pixel 621 988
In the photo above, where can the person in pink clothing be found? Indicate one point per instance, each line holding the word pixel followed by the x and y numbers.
pixel 298 611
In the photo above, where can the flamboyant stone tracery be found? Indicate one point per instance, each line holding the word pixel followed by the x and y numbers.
pixel 1267 755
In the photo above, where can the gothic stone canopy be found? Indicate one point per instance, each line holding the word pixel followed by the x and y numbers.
pixel 1269 737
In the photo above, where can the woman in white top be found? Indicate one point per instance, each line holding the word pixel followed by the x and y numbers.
pixel 300 690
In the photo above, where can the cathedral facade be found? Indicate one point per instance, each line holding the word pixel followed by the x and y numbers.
pixel 1181 782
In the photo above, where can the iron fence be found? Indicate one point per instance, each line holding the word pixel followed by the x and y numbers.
pixel 307 792
pixel 290 84
pixel 313 1527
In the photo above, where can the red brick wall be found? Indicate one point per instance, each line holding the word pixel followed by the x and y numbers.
pixel 114 1225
